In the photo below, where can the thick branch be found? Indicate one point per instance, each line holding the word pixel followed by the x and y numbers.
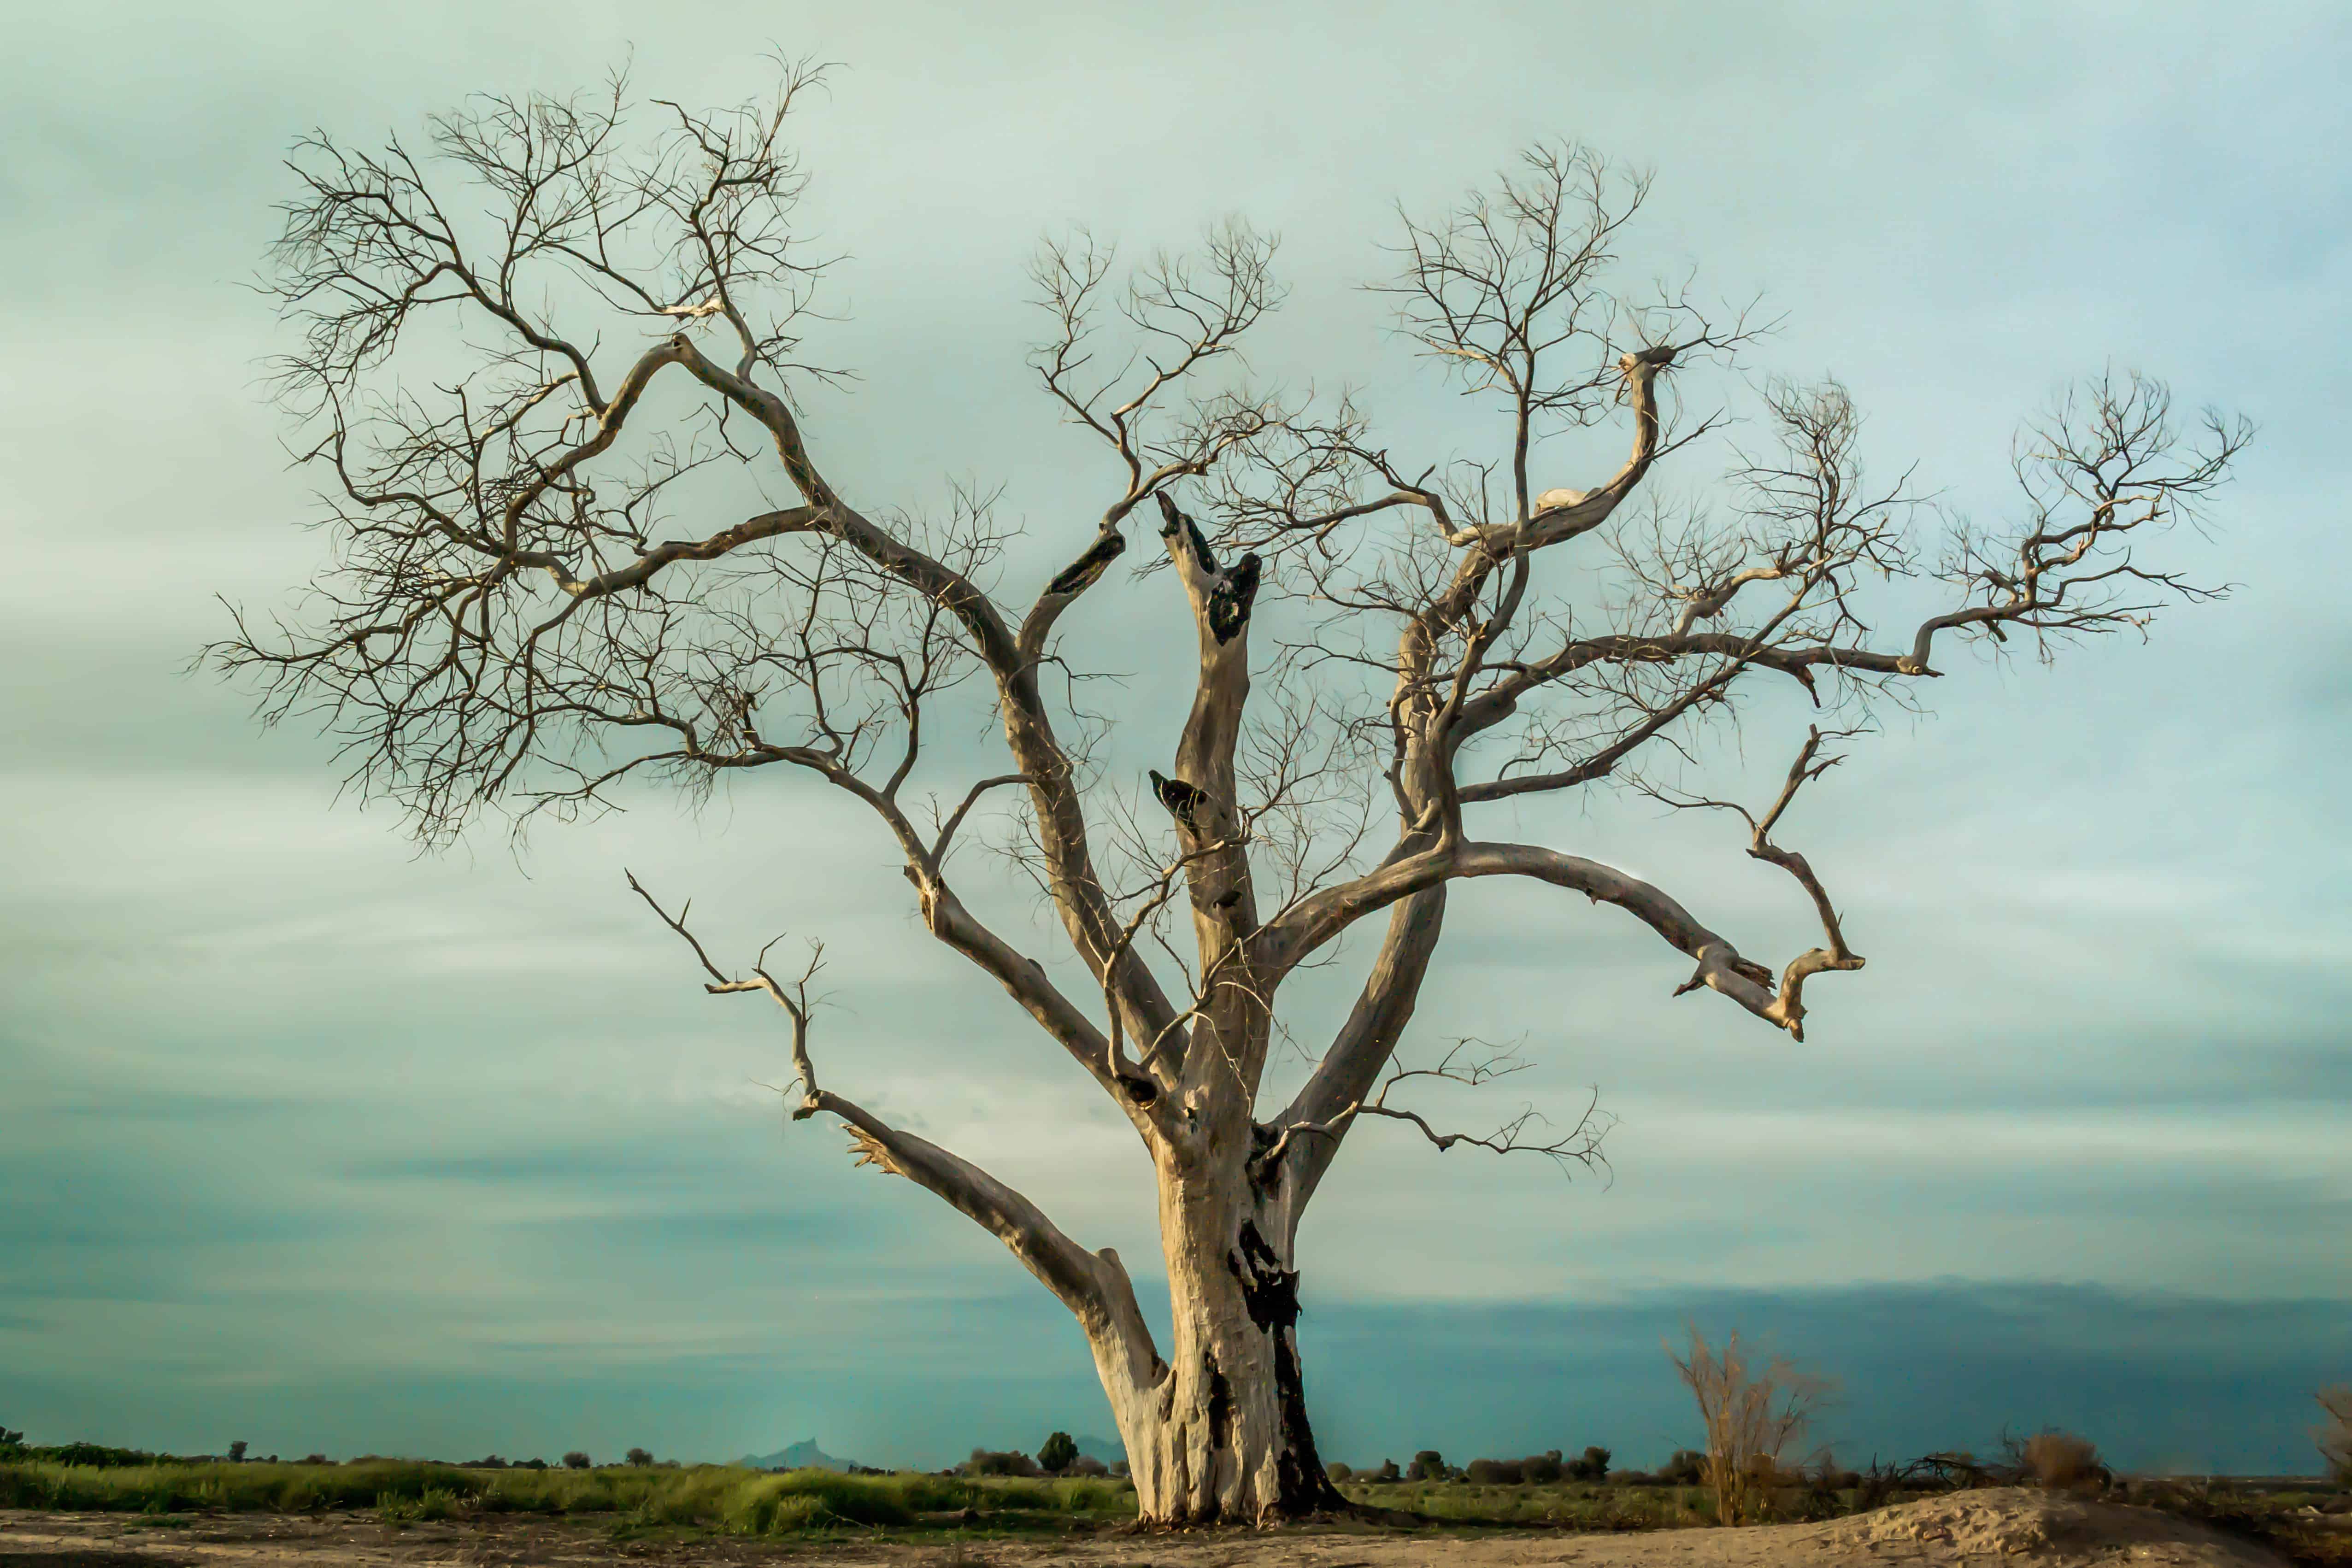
pixel 1291 937
pixel 1365 1042
pixel 1093 1285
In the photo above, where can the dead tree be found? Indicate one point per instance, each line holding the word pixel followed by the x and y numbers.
pixel 538 346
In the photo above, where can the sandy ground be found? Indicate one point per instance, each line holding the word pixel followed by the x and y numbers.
pixel 1967 1528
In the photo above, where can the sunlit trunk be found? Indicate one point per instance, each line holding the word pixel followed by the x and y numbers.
pixel 1221 1432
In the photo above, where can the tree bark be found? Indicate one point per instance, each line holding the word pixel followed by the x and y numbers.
pixel 1218 1432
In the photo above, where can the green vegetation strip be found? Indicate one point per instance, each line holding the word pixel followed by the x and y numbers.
pixel 710 1497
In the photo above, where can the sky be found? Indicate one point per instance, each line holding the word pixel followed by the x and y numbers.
pixel 313 1141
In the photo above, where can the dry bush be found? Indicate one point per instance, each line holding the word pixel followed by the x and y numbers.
pixel 2060 1461
pixel 1755 1413
pixel 2335 1434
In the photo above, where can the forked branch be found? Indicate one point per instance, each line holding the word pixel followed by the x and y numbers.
pixel 793 997
pixel 1789 1007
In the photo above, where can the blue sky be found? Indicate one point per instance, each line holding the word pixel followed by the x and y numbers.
pixel 354 1150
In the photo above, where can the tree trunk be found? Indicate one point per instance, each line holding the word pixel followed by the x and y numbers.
pixel 1218 1432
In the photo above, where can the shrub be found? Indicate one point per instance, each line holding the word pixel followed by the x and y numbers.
pixel 1688 1468
pixel 1428 1465
pixel 1593 1466
pixel 10 1441
pixel 1339 1472
pixel 2060 1461
pixel 996 1462
pixel 1542 1469
pixel 322 1459
pixel 640 1458
pixel 2335 1434
pixel 1388 1472
pixel 1088 1466
pixel 575 1460
pixel 1056 1454
pixel 1497 1472
pixel 1752 1414
pixel 530 1464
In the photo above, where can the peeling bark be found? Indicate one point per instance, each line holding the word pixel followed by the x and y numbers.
pixel 1220 1433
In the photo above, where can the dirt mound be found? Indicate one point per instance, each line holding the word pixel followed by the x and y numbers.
pixel 2010 1521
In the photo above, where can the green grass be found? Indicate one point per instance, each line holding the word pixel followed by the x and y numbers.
pixel 719 1498
pixel 1567 1505
pixel 723 1499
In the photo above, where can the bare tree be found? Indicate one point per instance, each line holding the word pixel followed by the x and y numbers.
pixel 2335 1435
pixel 1755 1414
pixel 544 588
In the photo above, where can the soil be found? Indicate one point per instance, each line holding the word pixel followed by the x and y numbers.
pixel 1967 1528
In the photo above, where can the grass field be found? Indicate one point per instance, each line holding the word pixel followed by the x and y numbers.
pixel 729 1500
pixel 723 1499
pixel 720 1498
pixel 1569 1505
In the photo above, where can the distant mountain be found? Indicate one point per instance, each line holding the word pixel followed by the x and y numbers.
pixel 1110 1451
pixel 805 1456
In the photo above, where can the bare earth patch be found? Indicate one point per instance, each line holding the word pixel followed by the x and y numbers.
pixel 1966 1528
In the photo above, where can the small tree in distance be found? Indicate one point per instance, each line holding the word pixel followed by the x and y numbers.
pixel 576 1460
pixel 1754 1415
pixel 236 1452
pixel 1056 1453
pixel 640 1458
pixel 548 356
